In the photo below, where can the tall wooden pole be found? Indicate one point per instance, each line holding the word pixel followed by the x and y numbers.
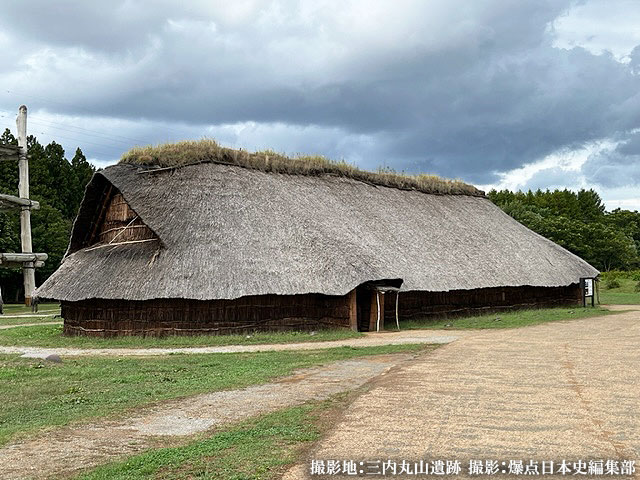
pixel 28 268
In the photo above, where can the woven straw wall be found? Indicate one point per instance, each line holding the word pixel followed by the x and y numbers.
pixel 122 224
pixel 162 317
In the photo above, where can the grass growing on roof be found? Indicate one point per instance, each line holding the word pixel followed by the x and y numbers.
pixel 207 150
pixel 512 319
pixel 51 336
pixel 37 394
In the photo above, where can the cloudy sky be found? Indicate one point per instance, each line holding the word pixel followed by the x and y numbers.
pixel 500 93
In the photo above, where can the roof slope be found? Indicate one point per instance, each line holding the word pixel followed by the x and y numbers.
pixel 228 231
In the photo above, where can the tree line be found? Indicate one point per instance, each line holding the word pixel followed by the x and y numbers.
pixel 58 184
pixel 577 221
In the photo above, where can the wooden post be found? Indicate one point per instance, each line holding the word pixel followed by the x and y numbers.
pixel 28 268
pixel 373 311
pixel 353 310
pixel 376 319
pixel 397 318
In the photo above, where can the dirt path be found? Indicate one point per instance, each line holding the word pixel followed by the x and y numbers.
pixel 3 327
pixel 30 315
pixel 370 340
pixel 65 451
pixel 560 390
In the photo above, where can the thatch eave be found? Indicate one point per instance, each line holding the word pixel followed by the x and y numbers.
pixel 230 232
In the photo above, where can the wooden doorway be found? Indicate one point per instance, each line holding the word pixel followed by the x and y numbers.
pixel 363 306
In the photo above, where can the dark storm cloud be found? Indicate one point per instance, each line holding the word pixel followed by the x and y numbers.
pixel 458 88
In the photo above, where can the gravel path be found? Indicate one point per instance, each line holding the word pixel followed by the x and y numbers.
pixel 370 340
pixel 559 390
pixel 65 451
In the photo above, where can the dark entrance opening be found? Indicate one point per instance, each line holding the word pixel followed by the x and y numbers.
pixel 366 304
pixel 363 304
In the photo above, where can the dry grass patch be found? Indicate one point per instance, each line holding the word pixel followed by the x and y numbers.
pixel 174 155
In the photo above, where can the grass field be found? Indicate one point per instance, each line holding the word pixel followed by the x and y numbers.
pixel 51 336
pixel 514 319
pixel 37 394
pixel 257 449
pixel 11 311
pixel 624 295
pixel 20 309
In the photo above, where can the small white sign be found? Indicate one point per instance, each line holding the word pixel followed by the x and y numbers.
pixel 588 287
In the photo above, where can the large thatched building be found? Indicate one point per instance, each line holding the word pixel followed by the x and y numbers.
pixel 194 238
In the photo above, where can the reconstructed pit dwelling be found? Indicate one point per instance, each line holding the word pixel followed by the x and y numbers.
pixel 194 238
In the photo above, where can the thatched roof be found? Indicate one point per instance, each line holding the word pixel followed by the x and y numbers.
pixel 227 231
pixel 176 155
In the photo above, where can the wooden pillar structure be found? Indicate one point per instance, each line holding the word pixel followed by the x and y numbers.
pixel 376 319
pixel 353 310
pixel 28 268
pixel 27 259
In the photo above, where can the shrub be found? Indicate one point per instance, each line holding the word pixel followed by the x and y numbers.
pixel 611 283
pixel 637 287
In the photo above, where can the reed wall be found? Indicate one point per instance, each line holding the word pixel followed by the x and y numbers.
pixel 108 318
pixel 162 317
pixel 416 304
pixel 122 224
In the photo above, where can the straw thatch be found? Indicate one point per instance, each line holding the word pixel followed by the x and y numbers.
pixel 176 155
pixel 226 232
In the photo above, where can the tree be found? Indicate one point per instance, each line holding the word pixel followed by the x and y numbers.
pixel 83 172
pixel 579 223
pixel 591 206
pixel 58 184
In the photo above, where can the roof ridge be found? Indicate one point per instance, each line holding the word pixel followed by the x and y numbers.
pixel 188 153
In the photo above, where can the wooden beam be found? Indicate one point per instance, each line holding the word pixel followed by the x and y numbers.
pixel 10 201
pixel 5 158
pixel 9 150
pixel 22 257
pixel 37 264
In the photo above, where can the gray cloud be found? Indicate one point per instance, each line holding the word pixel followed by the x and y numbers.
pixel 619 167
pixel 550 178
pixel 463 89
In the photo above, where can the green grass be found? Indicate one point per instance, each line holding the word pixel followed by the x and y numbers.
pixel 624 295
pixel 191 152
pixel 257 449
pixel 26 321
pixel 37 394
pixel 19 309
pixel 512 319
pixel 51 336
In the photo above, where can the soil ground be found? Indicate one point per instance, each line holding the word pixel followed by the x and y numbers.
pixel 61 452
pixel 564 390
pixel 370 340
pixel 561 390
